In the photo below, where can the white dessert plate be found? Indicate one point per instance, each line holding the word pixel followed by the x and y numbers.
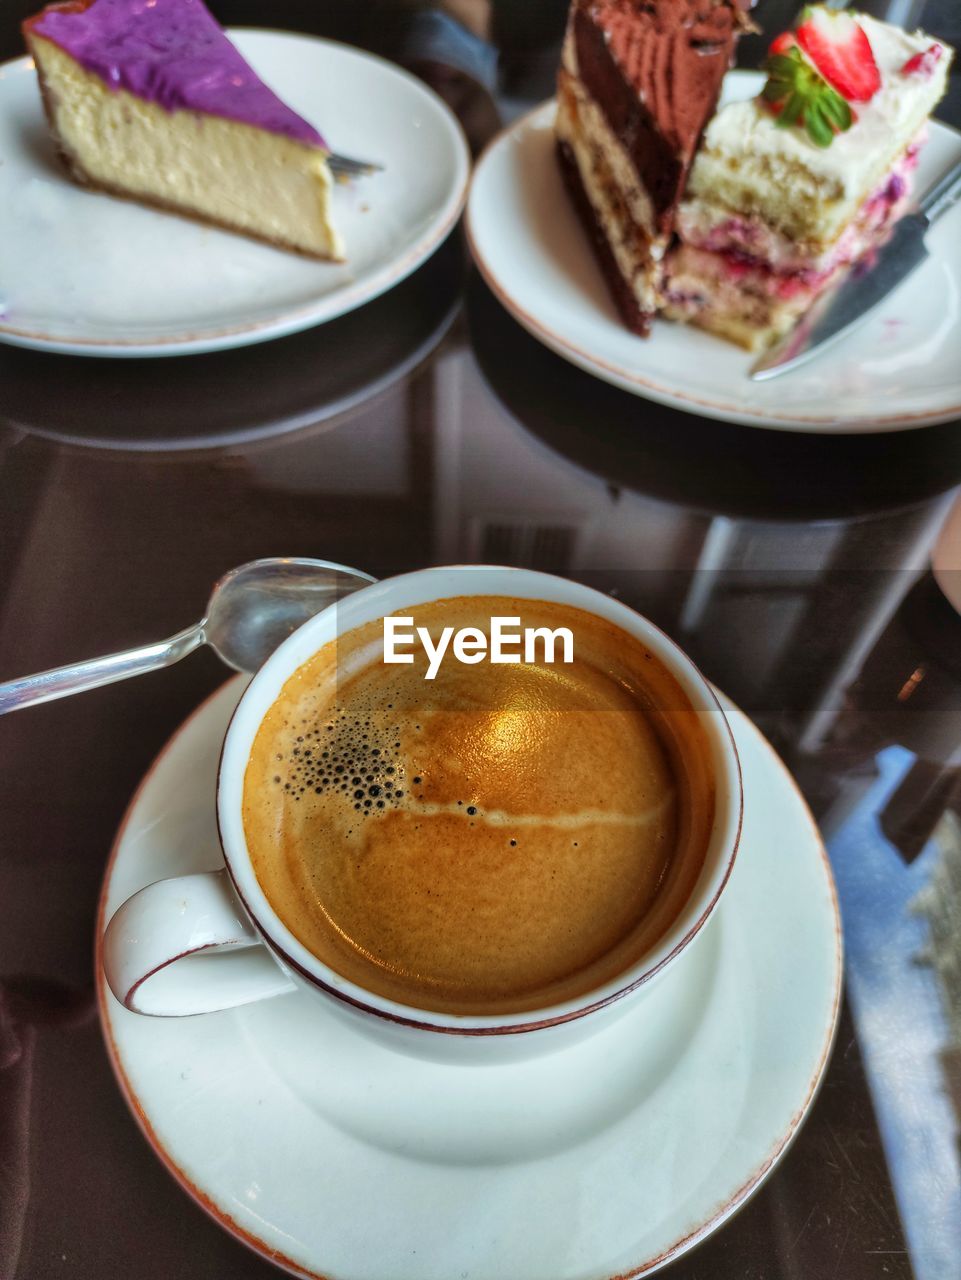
pixel 333 1156
pixel 899 370
pixel 85 273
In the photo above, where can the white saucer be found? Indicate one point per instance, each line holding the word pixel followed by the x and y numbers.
pixel 899 370
pixel 333 1156
pixel 84 273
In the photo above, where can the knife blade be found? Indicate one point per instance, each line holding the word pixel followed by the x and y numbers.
pixel 862 287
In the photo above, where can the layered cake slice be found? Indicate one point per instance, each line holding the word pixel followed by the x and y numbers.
pixel 639 80
pixel 149 99
pixel 789 188
pixel 736 220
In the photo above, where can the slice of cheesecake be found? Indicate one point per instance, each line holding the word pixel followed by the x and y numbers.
pixel 148 99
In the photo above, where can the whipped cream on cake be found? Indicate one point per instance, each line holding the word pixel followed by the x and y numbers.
pixel 149 99
pixel 777 194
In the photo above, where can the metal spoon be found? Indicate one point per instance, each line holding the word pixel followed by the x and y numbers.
pixel 250 611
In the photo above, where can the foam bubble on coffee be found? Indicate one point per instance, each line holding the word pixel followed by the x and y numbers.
pixel 502 838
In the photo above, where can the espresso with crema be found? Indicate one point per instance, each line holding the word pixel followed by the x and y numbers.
pixel 495 840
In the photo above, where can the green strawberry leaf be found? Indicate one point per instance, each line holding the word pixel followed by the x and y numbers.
pixel 819 131
pixel 836 110
pixel 783 65
pixel 792 111
pixel 799 95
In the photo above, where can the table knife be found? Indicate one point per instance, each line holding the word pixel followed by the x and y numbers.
pixel 862 286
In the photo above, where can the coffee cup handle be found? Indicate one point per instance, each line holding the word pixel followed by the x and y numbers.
pixel 185 946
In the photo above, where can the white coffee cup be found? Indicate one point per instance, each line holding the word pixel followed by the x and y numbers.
pixel 211 941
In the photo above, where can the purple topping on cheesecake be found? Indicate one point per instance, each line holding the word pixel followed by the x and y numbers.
pixel 174 53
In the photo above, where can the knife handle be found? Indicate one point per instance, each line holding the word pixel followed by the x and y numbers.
pixel 942 195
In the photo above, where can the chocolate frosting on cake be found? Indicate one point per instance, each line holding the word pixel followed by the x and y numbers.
pixel 655 67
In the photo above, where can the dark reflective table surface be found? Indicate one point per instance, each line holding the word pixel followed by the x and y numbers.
pixel 428 428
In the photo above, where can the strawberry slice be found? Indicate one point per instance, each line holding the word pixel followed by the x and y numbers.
pixel 924 63
pixel 797 94
pixel 783 42
pixel 841 51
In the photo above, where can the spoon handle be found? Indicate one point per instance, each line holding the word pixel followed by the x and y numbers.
pixel 62 681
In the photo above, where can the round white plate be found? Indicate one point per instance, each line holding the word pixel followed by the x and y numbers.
pixel 899 370
pixel 84 273
pixel 334 1156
